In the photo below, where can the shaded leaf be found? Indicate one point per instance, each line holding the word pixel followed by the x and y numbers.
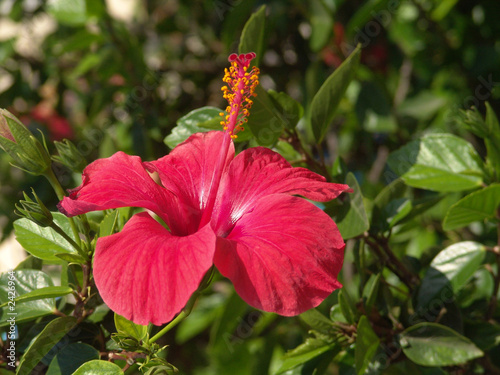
pixel 266 121
pixel 367 343
pixel 71 357
pixel 44 342
pixel 431 344
pixel 449 271
pixel 252 36
pixel 351 218
pixel 327 99
pixel 290 109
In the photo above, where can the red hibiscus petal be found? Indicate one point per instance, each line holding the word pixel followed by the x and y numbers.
pixel 257 172
pixel 190 170
pixel 122 181
pixel 284 256
pixel 146 274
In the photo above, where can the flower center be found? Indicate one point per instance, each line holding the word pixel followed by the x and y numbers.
pixel 240 89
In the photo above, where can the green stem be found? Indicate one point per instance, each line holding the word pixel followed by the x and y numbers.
pixel 70 240
pixel 54 182
pixel 179 318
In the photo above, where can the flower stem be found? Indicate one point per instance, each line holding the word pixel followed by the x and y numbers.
pixel 63 234
pixel 179 318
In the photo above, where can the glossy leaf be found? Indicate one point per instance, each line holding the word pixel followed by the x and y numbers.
pixel 44 342
pixel 252 37
pixel 367 343
pixel 47 292
pixel 439 162
pixel 97 367
pixel 26 281
pixel 449 271
pixel 44 243
pixel 477 206
pixel 327 99
pixel 71 357
pixel 194 122
pixel 128 328
pixel 351 218
pixel 431 344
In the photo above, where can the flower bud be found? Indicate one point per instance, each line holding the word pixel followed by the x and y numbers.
pixel 22 146
pixel 34 211
pixel 69 156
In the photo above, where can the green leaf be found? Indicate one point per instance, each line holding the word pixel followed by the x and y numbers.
pixel 252 37
pixel 347 307
pixel 26 281
pixel 311 348
pixel 431 344
pixel 97 367
pixel 222 333
pixel 71 258
pixel 108 224
pixel 128 328
pixel 327 99
pixel 439 162
pixel 47 292
pixel 266 121
pixel 71 357
pixel 370 292
pixel 442 9
pixel 493 141
pixel 316 320
pixel 321 25
pixel 365 13
pixel 374 109
pixel 194 122
pixel 484 335
pixel 423 106
pixel 450 269
pixel 44 342
pixel 291 109
pixel 71 13
pixel 367 343
pixel 351 218
pixel 477 206
pixel 44 243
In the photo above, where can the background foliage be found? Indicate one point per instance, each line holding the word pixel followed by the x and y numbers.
pixel 422 268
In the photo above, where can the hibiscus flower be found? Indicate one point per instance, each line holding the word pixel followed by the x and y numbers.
pixel 241 213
